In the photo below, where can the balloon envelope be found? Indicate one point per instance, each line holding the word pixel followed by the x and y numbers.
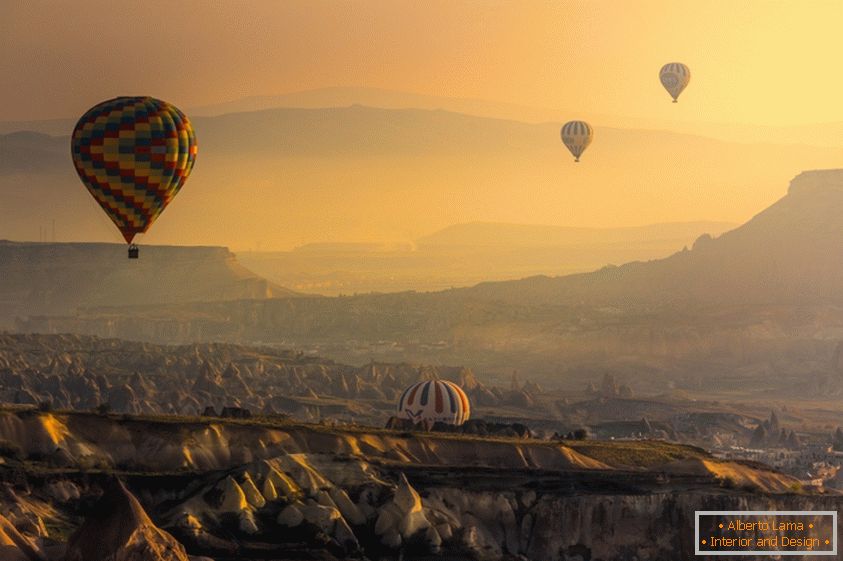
pixel 577 135
pixel 133 154
pixel 434 401
pixel 674 76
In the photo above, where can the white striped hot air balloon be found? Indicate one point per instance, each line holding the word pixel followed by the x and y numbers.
pixel 674 76
pixel 434 401
pixel 577 136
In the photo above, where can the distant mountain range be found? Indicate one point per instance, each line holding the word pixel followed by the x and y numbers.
pixel 33 152
pixel 466 254
pixel 788 254
pixel 818 134
pixel 486 234
pixel 283 177
pixel 380 98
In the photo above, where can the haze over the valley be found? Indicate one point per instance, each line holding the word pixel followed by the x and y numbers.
pixel 354 159
pixel 272 179
pixel 388 316
pixel 373 134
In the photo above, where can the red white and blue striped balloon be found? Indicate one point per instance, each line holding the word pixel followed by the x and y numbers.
pixel 434 401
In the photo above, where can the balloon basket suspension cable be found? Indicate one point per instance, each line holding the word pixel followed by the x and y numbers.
pixel 133 251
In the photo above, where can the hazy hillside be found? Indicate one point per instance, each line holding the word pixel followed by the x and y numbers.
pixel 46 278
pixel 382 98
pixel 400 174
pixel 33 152
pixel 760 303
pixel 476 234
pixel 53 127
pixel 787 254
pixel 466 254
pixel 819 134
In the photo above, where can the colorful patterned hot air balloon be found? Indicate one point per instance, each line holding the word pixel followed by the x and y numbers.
pixel 577 136
pixel 674 77
pixel 434 400
pixel 133 154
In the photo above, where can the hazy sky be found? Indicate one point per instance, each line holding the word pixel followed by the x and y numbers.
pixel 752 61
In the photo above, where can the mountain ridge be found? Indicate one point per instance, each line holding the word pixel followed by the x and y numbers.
pixel 801 227
pixel 810 134
pixel 443 168
pixel 59 278
pixel 478 233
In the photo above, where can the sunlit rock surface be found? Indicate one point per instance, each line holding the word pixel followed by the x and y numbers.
pixel 248 489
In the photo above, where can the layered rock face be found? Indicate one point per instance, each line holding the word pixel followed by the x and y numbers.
pixel 118 529
pixel 258 490
pixel 14 546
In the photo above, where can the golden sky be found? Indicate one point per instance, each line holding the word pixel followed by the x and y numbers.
pixel 770 63
pixel 765 62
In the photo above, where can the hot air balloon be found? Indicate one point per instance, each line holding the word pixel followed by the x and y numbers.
pixel 434 401
pixel 674 77
pixel 133 154
pixel 577 136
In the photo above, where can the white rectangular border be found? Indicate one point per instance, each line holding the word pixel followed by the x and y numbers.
pixel 698 513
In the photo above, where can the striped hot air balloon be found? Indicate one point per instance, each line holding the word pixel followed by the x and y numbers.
pixel 134 155
pixel 674 77
pixel 434 400
pixel 577 136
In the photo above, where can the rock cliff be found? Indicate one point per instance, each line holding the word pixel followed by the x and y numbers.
pixel 60 278
pixel 287 491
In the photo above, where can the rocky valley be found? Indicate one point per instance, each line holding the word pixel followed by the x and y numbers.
pixel 71 372
pixel 230 489
pixel 420 281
